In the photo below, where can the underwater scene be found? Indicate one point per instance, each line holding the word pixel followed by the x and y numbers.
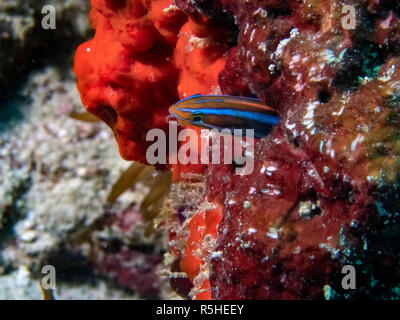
pixel 199 150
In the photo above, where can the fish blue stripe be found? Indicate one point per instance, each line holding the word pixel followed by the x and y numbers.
pixel 179 117
pixel 188 98
pixel 255 116
pixel 217 96
pixel 205 101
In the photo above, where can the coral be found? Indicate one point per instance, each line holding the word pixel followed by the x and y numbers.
pixel 133 270
pixel 136 66
pixel 126 74
pixel 119 250
pixel 199 57
pixel 324 191
pixel 326 173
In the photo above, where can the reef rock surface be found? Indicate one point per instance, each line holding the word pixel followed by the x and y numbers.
pixel 325 189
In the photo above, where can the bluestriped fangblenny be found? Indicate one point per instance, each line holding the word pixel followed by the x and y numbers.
pixel 226 112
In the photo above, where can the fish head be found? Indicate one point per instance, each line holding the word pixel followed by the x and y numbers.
pixel 187 112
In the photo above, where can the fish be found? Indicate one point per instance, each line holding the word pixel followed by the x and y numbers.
pixel 226 112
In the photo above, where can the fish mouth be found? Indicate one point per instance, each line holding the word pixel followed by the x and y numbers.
pixel 180 119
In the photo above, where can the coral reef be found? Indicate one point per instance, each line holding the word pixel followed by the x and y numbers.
pixel 57 173
pixel 325 189
pixel 136 67
pixel 126 75
pixel 55 176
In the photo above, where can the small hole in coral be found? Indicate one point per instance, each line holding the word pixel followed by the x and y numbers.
pixel 108 115
pixel 324 96
pixel 238 163
pixel 291 235
pixel 315 212
pixel 296 142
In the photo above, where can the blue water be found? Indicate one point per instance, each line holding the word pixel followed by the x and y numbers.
pixel 11 111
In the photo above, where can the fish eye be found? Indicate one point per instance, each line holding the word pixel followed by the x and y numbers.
pixel 197 118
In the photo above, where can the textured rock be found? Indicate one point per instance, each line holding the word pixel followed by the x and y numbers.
pixel 55 175
pixel 324 192
pixel 19 285
pixel 319 194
